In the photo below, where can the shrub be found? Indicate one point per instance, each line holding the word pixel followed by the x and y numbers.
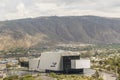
pixel 27 77
pixel 15 77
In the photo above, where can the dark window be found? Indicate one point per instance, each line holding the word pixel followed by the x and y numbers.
pixel 67 62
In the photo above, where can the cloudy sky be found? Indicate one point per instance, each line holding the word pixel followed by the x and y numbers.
pixel 16 9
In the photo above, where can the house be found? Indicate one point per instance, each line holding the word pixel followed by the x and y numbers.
pixel 2 66
pixel 59 61
pixel 24 61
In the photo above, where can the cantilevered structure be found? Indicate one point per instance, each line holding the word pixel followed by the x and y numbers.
pixel 59 61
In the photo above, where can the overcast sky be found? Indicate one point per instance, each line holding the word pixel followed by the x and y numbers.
pixel 15 9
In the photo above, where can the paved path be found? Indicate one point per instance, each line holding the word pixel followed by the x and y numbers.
pixel 106 76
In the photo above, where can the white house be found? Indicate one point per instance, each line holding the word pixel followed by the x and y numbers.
pixel 59 61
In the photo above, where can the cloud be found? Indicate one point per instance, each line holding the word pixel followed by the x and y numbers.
pixel 34 8
pixel 21 9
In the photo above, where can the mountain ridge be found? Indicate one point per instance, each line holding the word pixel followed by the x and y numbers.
pixel 43 30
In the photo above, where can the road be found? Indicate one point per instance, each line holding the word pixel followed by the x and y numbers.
pixel 106 76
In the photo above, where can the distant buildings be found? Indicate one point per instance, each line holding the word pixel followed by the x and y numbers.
pixel 24 61
pixel 2 68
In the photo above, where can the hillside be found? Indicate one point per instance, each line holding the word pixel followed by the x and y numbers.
pixel 51 30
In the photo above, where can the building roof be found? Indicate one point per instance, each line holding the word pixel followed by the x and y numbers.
pixel 63 53
pixel 69 53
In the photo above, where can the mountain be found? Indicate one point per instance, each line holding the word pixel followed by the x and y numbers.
pixel 52 30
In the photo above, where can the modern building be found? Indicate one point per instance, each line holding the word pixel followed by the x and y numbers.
pixel 59 61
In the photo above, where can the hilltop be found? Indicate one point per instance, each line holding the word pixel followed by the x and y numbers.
pixel 32 32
